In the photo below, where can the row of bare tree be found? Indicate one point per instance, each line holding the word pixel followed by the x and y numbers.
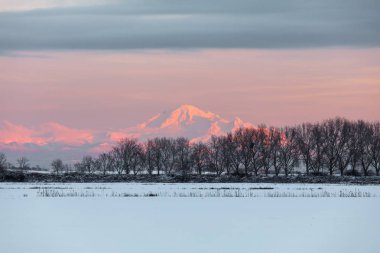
pixel 22 164
pixel 333 146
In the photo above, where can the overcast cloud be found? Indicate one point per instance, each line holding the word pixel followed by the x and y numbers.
pixel 169 24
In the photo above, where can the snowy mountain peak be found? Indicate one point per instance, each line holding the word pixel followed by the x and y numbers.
pixel 186 115
pixel 239 123
pixel 181 117
pixel 187 121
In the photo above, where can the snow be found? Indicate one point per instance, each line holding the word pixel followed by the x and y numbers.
pixel 30 222
pixel 185 121
pixel 253 190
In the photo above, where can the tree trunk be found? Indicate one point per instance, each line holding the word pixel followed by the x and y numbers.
pixel 331 170
pixel 237 170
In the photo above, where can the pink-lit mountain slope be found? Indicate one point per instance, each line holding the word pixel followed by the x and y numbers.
pixel 187 121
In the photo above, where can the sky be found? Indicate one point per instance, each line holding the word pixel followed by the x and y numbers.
pixel 70 70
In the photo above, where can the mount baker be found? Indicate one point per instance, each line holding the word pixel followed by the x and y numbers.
pixel 186 121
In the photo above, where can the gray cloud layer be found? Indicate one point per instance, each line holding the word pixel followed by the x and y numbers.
pixel 155 24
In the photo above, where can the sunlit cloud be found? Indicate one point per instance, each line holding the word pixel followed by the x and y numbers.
pixel 101 148
pixel 12 133
pixel 47 133
pixel 54 132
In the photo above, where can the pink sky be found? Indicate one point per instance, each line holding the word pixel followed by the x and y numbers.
pixel 66 103
pixel 106 90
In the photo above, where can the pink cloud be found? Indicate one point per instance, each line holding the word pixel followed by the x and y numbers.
pixel 118 135
pixel 48 133
pixel 55 132
pixel 101 148
pixel 12 133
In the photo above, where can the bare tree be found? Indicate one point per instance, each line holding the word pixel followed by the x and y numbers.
pixel 3 162
pixel 354 147
pixel 119 153
pixel 364 147
pixel 183 155
pixel 169 154
pixel 331 130
pixel 288 150
pixel 275 149
pixel 247 148
pixel 304 141
pixel 200 156
pixel 106 162
pixel 157 151
pixel 128 153
pixel 228 151
pixel 375 147
pixel 23 163
pixel 67 168
pixel 138 162
pixel 78 167
pixel 150 156
pixel 87 164
pixel 118 159
pixel 161 145
pixel 344 154
pixel 265 148
pixel 317 162
pixel 216 159
pixel 256 144
pixel 57 166
pixel 231 150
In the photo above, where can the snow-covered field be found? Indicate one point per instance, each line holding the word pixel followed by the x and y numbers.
pixel 198 190
pixel 188 218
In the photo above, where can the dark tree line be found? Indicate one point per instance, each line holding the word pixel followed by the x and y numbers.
pixel 330 147
pixel 22 165
pixel 334 146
